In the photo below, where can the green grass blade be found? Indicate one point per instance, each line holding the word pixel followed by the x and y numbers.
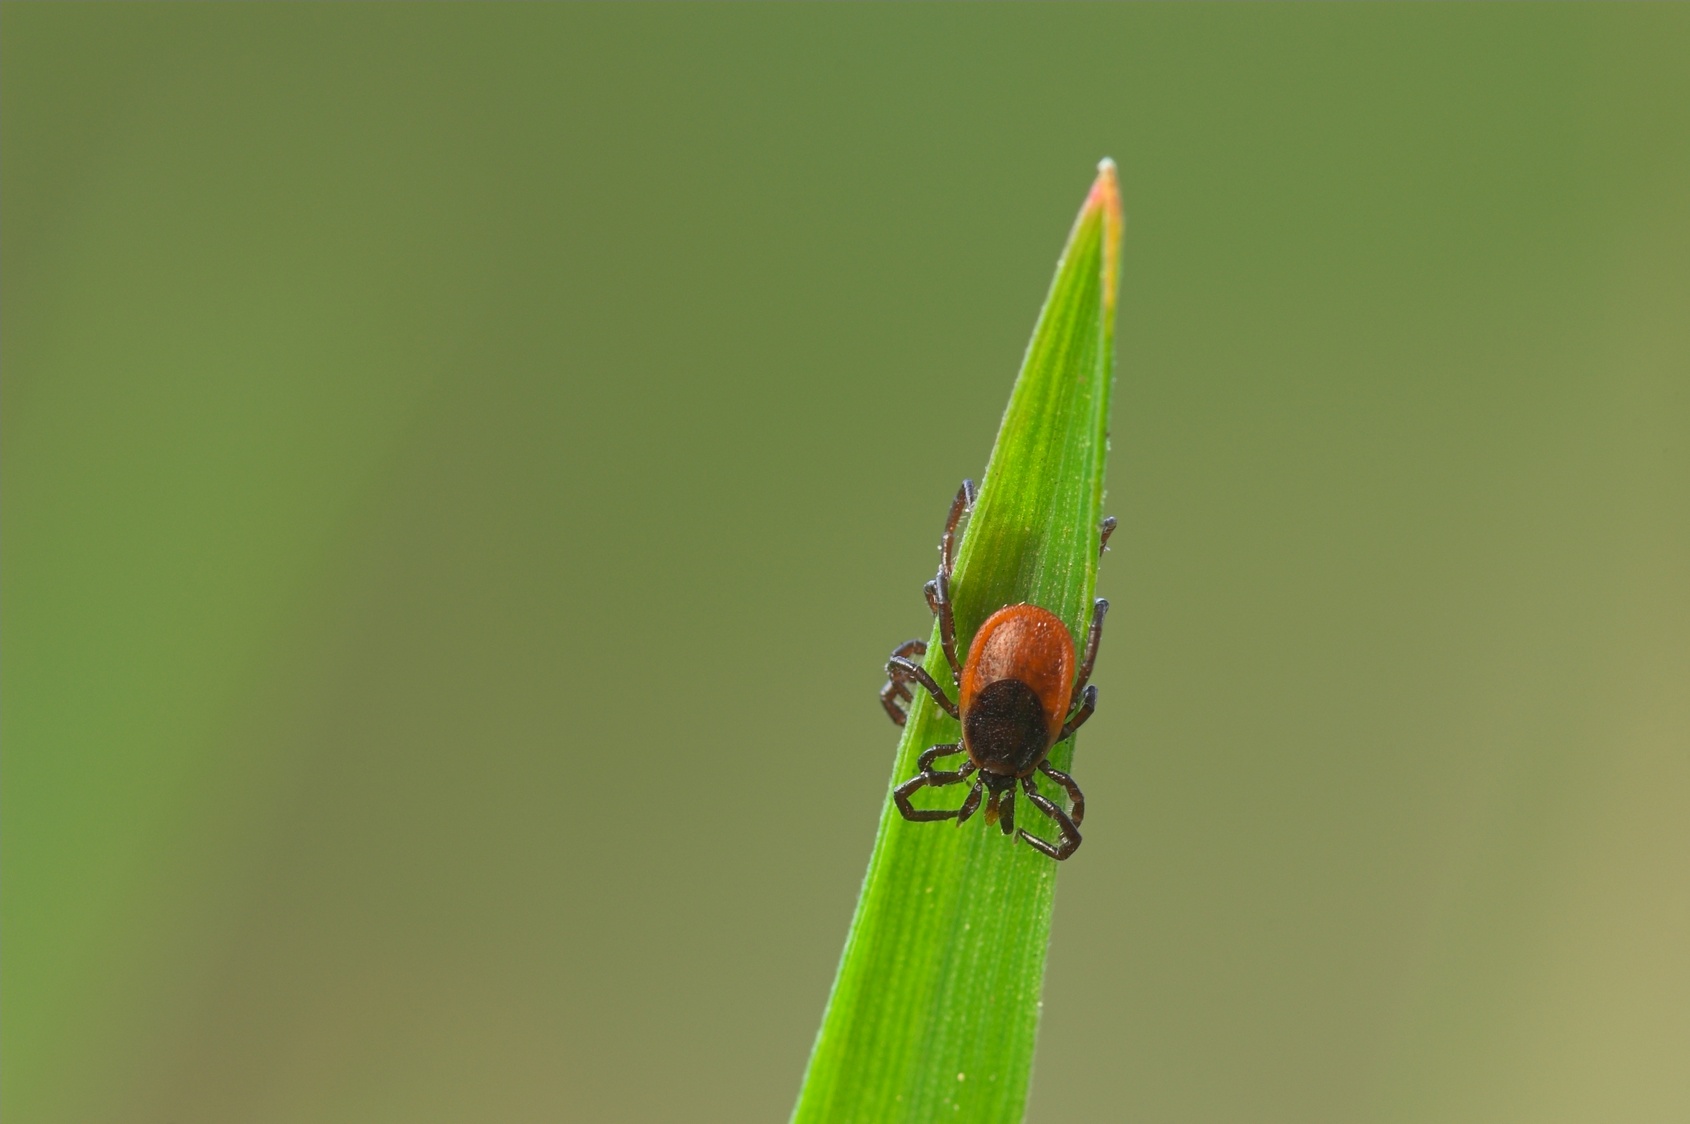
pixel 935 1007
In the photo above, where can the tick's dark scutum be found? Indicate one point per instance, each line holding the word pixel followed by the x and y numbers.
pixel 1006 728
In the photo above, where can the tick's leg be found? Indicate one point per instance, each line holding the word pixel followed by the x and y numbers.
pixel 1075 796
pixel 901 794
pixel 1105 529
pixel 933 753
pixel 899 667
pixel 971 804
pixel 1088 703
pixel 891 696
pixel 939 589
pixel 897 688
pixel 962 505
pixel 1066 830
pixel 910 648
pixel 939 600
pixel 1093 635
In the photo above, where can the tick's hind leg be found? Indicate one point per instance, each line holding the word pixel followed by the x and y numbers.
pixel 1094 635
pixel 939 600
pixel 939 589
pixel 933 779
pixel 902 669
pixel 962 505
pixel 1067 831
pixel 1088 703
pixel 897 689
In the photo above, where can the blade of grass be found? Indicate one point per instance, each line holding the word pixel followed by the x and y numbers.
pixel 936 1003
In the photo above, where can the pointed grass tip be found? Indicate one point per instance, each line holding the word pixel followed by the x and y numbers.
pixel 1105 198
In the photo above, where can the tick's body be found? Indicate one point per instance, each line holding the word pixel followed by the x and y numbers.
pixel 1015 688
pixel 1013 698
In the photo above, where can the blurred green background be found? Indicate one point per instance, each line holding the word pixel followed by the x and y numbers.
pixel 464 468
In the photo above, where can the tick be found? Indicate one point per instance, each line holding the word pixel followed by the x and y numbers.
pixel 1014 693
